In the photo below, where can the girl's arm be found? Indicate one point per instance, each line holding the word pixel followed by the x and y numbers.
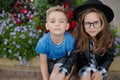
pixel 43 66
pixel 107 60
pixel 71 60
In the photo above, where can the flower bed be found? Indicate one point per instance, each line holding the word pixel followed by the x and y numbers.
pixel 20 30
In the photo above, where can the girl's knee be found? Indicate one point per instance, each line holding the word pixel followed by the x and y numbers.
pixel 86 77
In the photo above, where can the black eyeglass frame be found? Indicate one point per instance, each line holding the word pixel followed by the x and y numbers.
pixel 96 24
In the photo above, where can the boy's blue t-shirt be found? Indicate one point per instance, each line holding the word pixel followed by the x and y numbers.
pixel 53 51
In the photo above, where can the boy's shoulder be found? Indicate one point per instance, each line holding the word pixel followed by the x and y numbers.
pixel 45 36
pixel 69 35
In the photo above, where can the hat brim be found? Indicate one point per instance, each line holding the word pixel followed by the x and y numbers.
pixel 108 12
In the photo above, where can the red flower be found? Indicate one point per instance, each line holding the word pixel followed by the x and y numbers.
pixel 14 15
pixel 38 27
pixel 66 5
pixel 47 31
pixel 29 1
pixel 72 24
pixel 23 10
pixel 16 21
pixel 17 4
pixel 70 13
pixel 20 23
pixel 30 17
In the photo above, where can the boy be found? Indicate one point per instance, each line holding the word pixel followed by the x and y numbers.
pixel 56 44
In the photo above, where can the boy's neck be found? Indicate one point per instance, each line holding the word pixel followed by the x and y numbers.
pixel 57 39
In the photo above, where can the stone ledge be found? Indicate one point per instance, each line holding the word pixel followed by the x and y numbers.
pixel 115 66
pixel 35 64
pixel 113 75
pixel 19 79
pixel 5 61
pixel 19 74
pixel 10 70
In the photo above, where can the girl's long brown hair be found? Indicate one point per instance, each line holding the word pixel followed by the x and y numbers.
pixel 104 39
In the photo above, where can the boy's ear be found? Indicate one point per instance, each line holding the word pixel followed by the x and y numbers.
pixel 68 25
pixel 46 25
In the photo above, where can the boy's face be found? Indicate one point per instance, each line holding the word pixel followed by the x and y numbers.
pixel 57 23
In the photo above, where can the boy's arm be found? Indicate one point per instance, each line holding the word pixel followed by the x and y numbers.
pixel 43 66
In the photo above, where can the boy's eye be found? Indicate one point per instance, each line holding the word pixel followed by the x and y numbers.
pixel 62 21
pixel 52 21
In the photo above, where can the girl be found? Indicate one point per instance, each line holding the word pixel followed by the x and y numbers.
pixel 93 41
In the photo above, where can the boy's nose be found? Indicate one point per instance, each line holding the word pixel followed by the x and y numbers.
pixel 56 23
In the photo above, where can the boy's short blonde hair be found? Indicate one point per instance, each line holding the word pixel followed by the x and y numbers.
pixel 56 8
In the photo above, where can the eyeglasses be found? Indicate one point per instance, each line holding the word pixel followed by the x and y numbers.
pixel 96 24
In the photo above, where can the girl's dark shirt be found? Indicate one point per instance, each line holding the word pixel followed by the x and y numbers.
pixel 82 58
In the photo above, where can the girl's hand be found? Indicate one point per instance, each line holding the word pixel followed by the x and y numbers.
pixel 59 77
pixel 54 72
pixel 55 75
pixel 97 76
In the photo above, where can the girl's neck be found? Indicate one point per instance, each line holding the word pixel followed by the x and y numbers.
pixel 57 39
pixel 94 39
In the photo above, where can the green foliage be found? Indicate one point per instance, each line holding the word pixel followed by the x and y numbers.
pixel 79 2
pixel 117 39
pixel 6 5
pixel 18 41
pixel 41 7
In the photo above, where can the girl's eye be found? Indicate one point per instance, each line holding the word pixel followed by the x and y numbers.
pixel 97 23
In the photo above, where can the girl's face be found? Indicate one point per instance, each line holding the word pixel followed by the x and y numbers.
pixel 57 23
pixel 92 24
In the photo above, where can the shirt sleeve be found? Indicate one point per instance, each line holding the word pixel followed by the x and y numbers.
pixel 103 71
pixel 40 47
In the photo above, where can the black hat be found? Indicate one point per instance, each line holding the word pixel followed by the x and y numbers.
pixel 108 12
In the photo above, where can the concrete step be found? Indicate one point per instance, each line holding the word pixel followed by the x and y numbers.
pixel 10 70
pixel 19 79
pixel 113 75
pixel 6 74
pixel 19 73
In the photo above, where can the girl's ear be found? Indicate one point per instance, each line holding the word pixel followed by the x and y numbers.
pixel 68 25
pixel 46 25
